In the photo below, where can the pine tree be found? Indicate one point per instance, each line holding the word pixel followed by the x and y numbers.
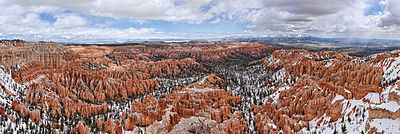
pixel 344 128
pixel 334 131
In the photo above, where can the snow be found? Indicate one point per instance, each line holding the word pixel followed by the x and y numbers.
pixel 387 125
pixel 328 63
pixel 279 75
pixel 271 60
pixel 309 56
pixel 275 95
pixel 9 83
pixel 396 91
pixel 203 90
pixel 373 97
pixel 385 92
pixel 37 80
pixel 347 91
pixel 337 97
pixel 391 69
pixel 356 115
pixel 391 106
pixel 356 124
pixel 353 103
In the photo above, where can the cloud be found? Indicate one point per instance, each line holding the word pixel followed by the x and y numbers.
pixel 309 7
pixel 327 18
pixel 392 16
pixel 217 20
pixel 69 21
pixel 168 10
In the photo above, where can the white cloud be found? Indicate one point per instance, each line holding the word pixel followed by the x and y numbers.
pixel 392 16
pixel 169 10
pixel 217 20
pixel 330 18
pixel 30 19
pixel 69 21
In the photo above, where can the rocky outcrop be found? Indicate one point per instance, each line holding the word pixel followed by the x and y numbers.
pixel 308 86
pixel 331 70
pixel 378 113
pixel 110 126
pixel 82 128
pixel 195 100
pixel 196 125
pixel 23 111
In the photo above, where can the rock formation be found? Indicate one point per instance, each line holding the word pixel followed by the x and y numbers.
pixel 200 99
pixel 309 87
pixel 57 85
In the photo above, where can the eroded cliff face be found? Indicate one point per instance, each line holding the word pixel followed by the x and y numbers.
pixel 195 87
pixel 86 88
pixel 324 88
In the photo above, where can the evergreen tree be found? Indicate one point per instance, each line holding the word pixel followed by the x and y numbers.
pixel 334 131
pixel 344 128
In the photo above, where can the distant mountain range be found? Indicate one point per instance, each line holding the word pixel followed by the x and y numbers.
pixel 342 42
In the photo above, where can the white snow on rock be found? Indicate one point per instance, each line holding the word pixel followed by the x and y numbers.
pixel 275 95
pixel 271 60
pixel 328 63
pixel 391 106
pixel 347 91
pixel 391 69
pixel 387 125
pixel 279 75
pixel 9 83
pixel 373 97
pixel 337 97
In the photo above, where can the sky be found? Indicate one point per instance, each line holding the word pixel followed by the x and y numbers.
pixel 128 20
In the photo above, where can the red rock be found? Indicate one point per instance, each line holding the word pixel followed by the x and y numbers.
pixel 73 81
pixel 215 104
pixel 35 116
pixel 300 103
pixel 82 128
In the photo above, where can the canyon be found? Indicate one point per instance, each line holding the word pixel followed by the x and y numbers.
pixel 195 87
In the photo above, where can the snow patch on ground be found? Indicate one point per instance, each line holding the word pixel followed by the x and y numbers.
pixel 347 91
pixel 279 76
pixel 37 80
pixel 373 97
pixel 328 63
pixel 387 125
pixel 391 69
pixel 271 60
pixel 391 106
pixel 386 91
pixel 353 122
pixel 337 97
pixel 9 83
pixel 356 115
pixel 275 95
